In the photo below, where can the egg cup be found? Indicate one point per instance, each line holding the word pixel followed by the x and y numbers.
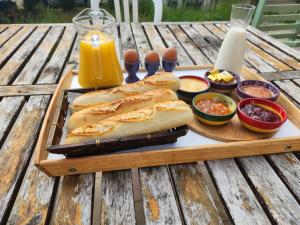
pixel 169 65
pixel 151 67
pixel 132 69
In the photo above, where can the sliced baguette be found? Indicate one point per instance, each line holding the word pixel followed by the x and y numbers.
pixel 162 116
pixel 157 81
pixel 96 113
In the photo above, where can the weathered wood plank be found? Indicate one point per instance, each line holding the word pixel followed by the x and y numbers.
pixel 25 90
pixel 14 155
pixel 198 39
pixel 290 88
pixel 195 199
pixel 237 195
pixel 191 48
pixel 75 200
pixel 8 33
pixel 272 41
pixel 74 57
pixel 155 40
pixel 117 204
pixel 11 68
pixel 141 41
pixel 261 53
pixel 283 75
pixel 158 198
pixel 14 43
pixel 9 108
pixel 3 28
pixel 52 71
pixel 38 60
pixel 288 168
pixel 182 57
pixel 34 198
pixel 277 199
pixel 250 56
pixel 126 37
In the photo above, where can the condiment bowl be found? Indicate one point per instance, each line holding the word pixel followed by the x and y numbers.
pixel 210 118
pixel 189 95
pixel 223 87
pixel 259 125
pixel 242 94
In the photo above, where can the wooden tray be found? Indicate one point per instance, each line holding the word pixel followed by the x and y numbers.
pixel 50 135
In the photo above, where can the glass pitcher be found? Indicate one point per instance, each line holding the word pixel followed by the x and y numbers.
pixel 232 52
pixel 99 65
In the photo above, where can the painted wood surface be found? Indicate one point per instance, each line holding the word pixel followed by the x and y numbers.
pixel 241 203
pixel 17 153
pixel 8 33
pixel 40 57
pixel 117 203
pixel 9 71
pixel 159 202
pixel 195 199
pixel 271 191
pixel 25 90
pixel 74 205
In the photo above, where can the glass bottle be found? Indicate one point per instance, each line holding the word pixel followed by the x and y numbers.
pixel 232 51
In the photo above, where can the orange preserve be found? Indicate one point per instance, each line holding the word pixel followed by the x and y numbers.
pixel 98 64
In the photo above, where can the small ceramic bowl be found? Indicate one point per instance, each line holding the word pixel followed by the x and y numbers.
pixel 258 125
pixel 189 95
pixel 241 93
pixel 214 119
pixel 222 87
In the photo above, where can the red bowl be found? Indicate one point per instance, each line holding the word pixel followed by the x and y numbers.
pixel 258 125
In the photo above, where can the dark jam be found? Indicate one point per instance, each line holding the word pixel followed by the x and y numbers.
pixel 259 113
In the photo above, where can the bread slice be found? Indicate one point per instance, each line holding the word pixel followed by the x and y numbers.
pixel 161 116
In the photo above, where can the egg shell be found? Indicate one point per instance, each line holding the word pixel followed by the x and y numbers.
pixel 131 56
pixel 152 56
pixel 170 54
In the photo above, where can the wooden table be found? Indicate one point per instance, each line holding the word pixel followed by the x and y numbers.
pixel 252 190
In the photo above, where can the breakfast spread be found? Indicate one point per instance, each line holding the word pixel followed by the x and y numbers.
pixel 257 91
pixel 259 113
pixel 160 116
pixel 192 84
pixel 213 107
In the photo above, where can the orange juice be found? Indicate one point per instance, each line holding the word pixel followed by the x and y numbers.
pixel 98 64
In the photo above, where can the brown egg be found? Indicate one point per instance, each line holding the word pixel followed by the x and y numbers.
pixel 131 56
pixel 170 54
pixel 152 56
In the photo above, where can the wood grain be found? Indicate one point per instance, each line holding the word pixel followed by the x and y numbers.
pixel 51 73
pixel 11 68
pixel 288 168
pixel 155 40
pixel 171 41
pixel 75 201
pixel 283 75
pixel 24 90
pixel 117 203
pixel 126 37
pixel 158 198
pixel 17 153
pixel 272 193
pixel 40 57
pixel 8 33
pixel 195 199
pixel 236 193
pixel 12 44
pixel 9 108
pixel 290 88
pixel 141 41
pixel 191 48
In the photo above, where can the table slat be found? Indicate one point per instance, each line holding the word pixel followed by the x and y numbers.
pixel 8 33
pixel 25 90
pixel 290 88
pixel 14 155
pixel 40 57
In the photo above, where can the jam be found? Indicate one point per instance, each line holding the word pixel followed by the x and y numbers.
pixel 213 107
pixel 259 113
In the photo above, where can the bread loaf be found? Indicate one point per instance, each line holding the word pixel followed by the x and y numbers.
pixel 128 104
pixel 157 81
pixel 162 116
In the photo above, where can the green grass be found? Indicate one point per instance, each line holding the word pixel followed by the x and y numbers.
pixel 44 14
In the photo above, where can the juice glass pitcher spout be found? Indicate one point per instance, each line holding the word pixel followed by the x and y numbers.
pixel 241 14
pixel 99 65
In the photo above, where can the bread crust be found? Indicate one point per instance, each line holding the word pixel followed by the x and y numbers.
pixel 161 116
pixel 131 103
pixel 158 81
